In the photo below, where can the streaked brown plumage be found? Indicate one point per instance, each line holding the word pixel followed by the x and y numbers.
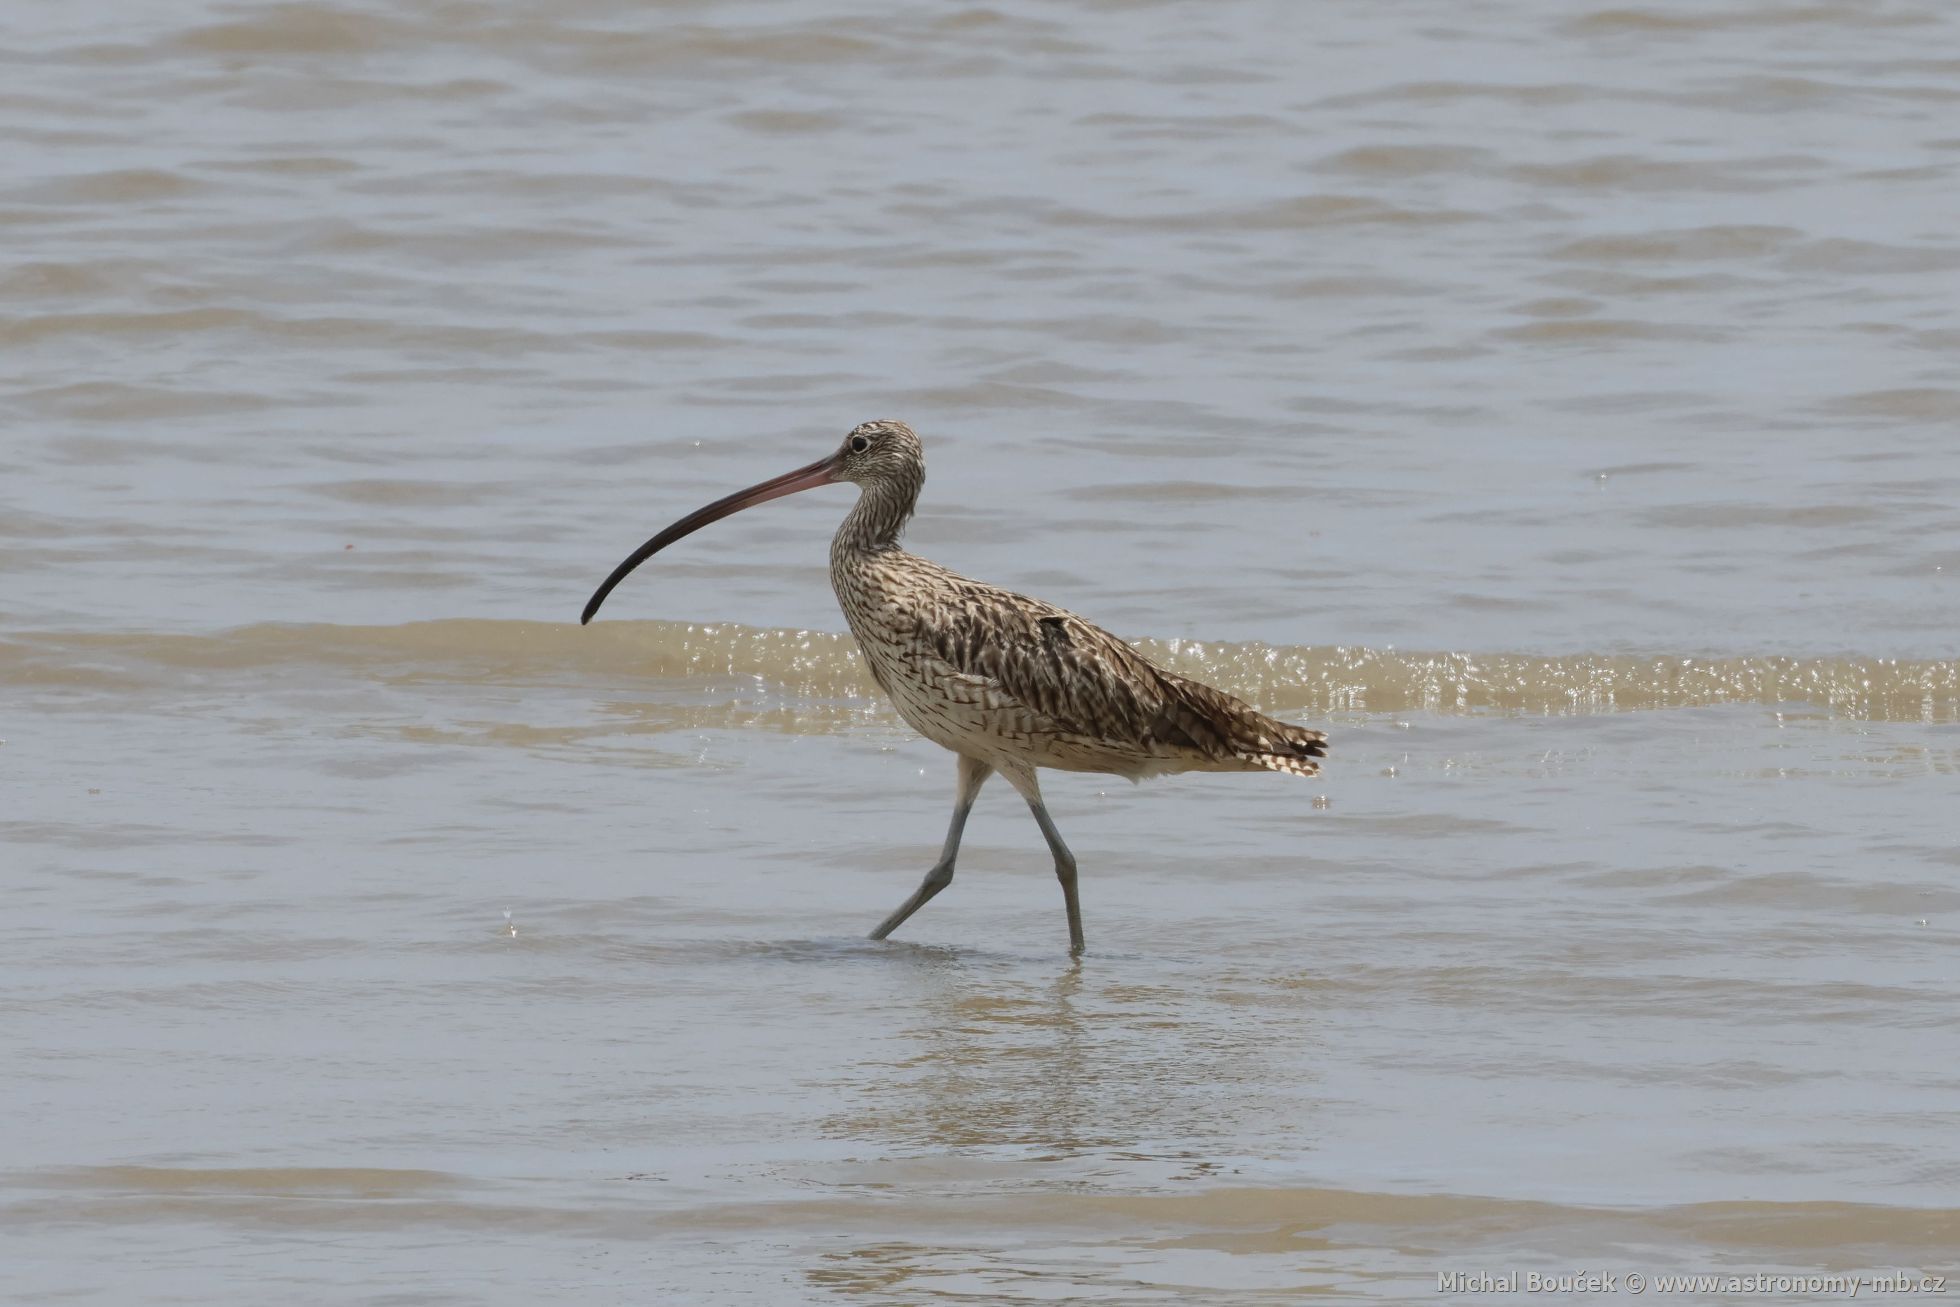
pixel 1007 682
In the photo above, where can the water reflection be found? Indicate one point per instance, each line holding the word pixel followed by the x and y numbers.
pixel 1084 1061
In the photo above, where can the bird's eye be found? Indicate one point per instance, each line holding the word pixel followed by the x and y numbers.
pixel 859 444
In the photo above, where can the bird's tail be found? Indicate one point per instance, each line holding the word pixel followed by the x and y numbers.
pixel 1247 738
pixel 1294 752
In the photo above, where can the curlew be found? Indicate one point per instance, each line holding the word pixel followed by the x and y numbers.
pixel 1008 683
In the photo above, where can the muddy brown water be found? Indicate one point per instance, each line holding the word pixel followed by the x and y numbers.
pixel 1557 403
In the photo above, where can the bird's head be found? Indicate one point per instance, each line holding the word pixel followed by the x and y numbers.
pixel 882 457
pixel 880 452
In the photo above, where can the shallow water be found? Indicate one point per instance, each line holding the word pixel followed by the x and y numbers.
pixel 1554 403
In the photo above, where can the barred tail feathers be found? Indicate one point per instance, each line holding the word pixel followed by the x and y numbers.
pixel 1241 734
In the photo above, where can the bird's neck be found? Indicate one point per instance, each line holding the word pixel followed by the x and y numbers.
pixel 874 523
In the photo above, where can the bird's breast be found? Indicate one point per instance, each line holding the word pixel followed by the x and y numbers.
pixel 888 603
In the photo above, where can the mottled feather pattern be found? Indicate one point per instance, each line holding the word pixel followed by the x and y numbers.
pixel 1036 678
pixel 1015 682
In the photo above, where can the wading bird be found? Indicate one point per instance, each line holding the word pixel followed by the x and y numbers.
pixel 1006 682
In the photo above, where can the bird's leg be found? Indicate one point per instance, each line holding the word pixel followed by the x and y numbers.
pixel 1064 872
pixel 973 775
pixel 1030 790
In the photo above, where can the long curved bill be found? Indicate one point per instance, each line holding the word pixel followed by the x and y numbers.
pixel 823 472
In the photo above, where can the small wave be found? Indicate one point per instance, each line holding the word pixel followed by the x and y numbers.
pixel 826 665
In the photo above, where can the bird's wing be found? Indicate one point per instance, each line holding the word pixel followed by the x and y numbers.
pixel 1082 679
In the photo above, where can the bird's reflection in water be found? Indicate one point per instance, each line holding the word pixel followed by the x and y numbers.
pixel 1094 1060
pixel 1012 1089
